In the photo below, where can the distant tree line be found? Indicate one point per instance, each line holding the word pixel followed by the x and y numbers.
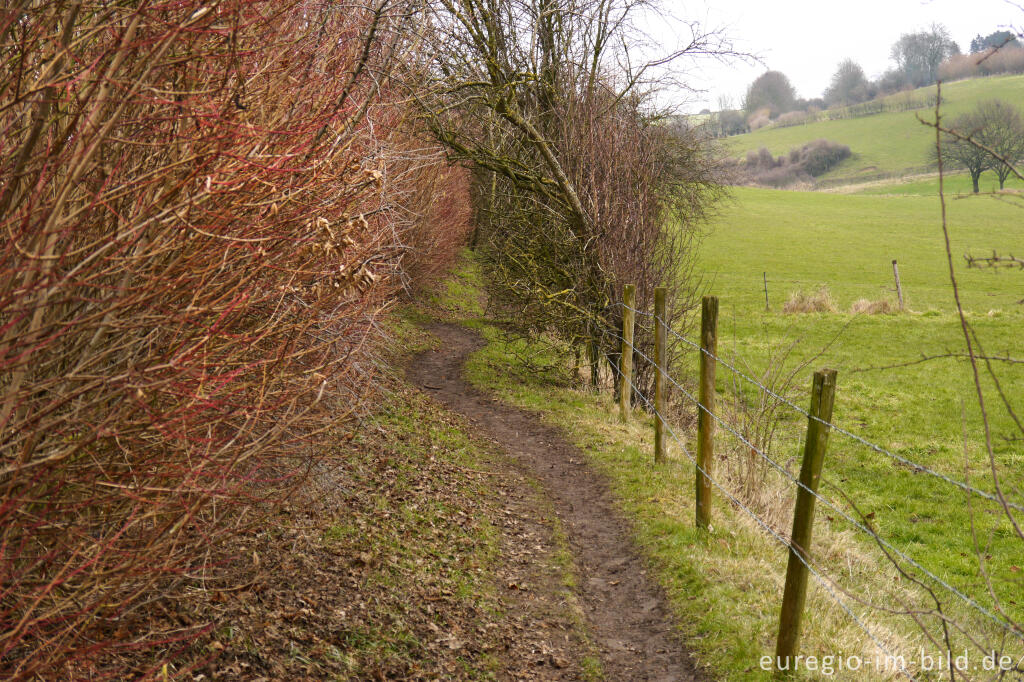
pixel 920 58
pixel 998 52
pixel 919 55
pixel 994 41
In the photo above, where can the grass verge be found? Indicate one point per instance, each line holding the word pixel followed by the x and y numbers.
pixel 399 559
pixel 726 586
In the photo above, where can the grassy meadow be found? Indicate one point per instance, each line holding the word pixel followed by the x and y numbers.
pixel 726 585
pixel 889 143
pixel 924 412
pixel 803 239
pixel 955 185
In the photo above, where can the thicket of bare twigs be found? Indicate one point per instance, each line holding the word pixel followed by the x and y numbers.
pixel 549 273
pixel 204 206
pixel 583 188
pixel 801 165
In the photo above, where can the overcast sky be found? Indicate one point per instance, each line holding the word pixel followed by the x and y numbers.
pixel 806 39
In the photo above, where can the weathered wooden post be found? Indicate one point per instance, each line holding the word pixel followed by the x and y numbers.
pixel 661 362
pixel 823 395
pixel 706 398
pixel 626 358
pixel 899 287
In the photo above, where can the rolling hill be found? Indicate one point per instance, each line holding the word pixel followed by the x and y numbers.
pixel 887 144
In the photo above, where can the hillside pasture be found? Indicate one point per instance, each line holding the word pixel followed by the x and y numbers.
pixel 923 411
pixel 892 143
pixel 955 185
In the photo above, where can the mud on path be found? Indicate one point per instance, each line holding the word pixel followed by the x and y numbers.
pixel 627 613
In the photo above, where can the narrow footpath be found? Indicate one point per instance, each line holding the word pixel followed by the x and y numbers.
pixel 627 612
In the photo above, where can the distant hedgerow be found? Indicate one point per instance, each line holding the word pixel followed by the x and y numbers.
pixel 800 165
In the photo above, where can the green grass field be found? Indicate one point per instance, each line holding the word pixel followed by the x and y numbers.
pixel 726 585
pixel 924 412
pixel 883 143
pixel 955 185
pixel 802 239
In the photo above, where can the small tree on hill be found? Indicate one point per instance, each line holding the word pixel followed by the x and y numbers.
pixel 772 91
pixel 918 55
pixel 960 151
pixel 849 85
pixel 731 122
pixel 989 138
pixel 1003 133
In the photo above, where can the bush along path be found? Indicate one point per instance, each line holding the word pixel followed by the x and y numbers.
pixel 625 611
pixel 417 553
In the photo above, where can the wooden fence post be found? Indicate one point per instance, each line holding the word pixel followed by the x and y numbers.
pixel 899 287
pixel 626 358
pixel 823 395
pixel 706 397
pixel 661 362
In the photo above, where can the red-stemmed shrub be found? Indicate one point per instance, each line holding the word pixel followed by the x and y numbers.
pixel 203 205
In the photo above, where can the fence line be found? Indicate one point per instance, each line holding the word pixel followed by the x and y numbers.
pixel 820 577
pixel 1005 625
pixel 873 446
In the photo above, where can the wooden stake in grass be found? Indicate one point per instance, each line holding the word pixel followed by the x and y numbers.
pixel 626 358
pixel 899 287
pixel 823 395
pixel 705 423
pixel 661 362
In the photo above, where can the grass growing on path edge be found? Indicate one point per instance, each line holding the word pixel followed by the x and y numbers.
pixel 726 586
pixel 401 557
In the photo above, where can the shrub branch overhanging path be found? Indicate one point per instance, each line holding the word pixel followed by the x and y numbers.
pixel 626 611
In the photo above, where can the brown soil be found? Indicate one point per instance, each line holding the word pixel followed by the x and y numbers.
pixel 625 610
pixel 363 575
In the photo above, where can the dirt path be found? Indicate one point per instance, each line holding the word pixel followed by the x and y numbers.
pixel 626 611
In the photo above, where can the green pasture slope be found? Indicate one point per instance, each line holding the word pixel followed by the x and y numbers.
pixel 921 412
pixel 954 185
pixel 889 143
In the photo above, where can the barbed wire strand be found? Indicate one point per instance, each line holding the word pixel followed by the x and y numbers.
pixel 1005 625
pixel 838 429
pixel 822 580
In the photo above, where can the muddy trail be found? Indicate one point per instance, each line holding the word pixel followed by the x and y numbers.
pixel 626 611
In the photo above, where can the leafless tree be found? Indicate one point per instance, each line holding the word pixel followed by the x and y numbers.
pixel 584 185
pixel 918 55
pixel 991 137
pixel 1002 132
pixel 960 150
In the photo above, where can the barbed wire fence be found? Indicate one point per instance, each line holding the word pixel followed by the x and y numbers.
pixel 951 629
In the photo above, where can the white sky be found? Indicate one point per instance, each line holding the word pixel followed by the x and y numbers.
pixel 806 39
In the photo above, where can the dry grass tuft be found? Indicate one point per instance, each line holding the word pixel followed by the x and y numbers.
pixel 819 301
pixel 863 306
